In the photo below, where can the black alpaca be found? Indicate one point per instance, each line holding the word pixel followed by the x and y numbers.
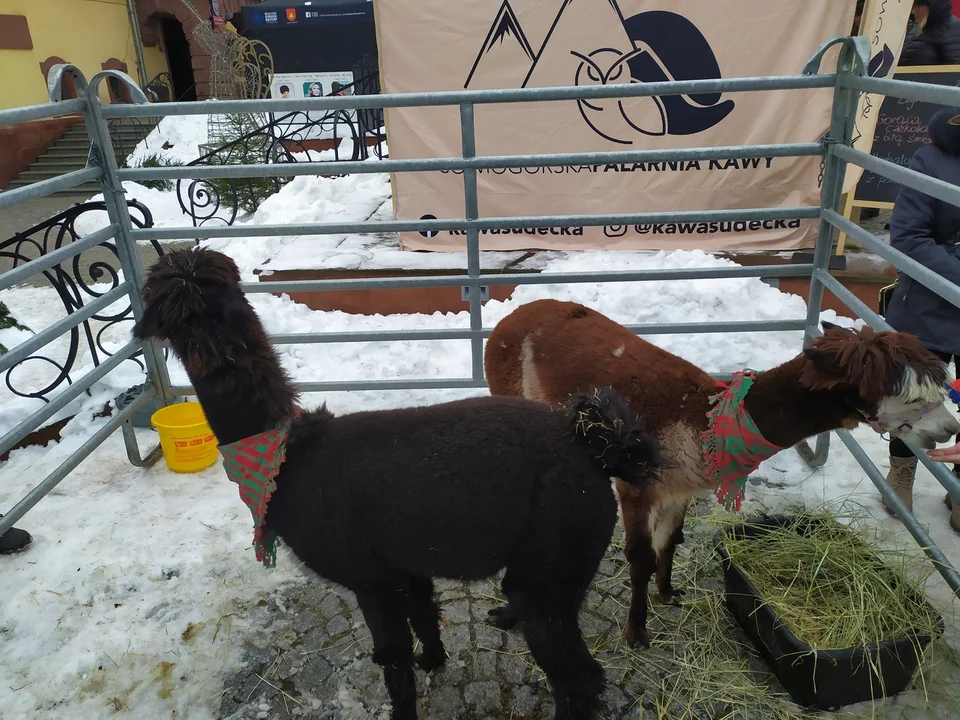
pixel 382 502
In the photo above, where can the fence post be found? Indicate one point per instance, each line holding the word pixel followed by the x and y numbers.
pixel 833 170
pixel 102 153
pixel 468 144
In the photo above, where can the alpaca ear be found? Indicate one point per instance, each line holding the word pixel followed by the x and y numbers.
pixel 822 359
pixel 822 370
pixel 830 326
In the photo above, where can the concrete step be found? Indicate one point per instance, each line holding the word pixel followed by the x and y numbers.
pixel 84 191
pixel 73 144
pixel 81 131
pixel 73 159
pixel 31 176
pixel 127 144
pixel 54 168
pixel 64 153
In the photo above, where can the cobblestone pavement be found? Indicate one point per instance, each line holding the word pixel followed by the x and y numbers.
pixel 316 663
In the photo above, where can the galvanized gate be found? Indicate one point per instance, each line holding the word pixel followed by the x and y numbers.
pixel 835 149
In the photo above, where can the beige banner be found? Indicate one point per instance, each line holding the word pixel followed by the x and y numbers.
pixel 432 45
pixel 885 23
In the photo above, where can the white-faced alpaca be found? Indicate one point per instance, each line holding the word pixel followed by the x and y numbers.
pixel 383 502
pixel 547 350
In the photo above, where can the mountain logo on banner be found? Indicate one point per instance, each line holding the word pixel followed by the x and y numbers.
pixel 649 47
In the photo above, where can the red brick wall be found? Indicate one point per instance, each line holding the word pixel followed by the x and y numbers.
pixel 150 11
pixel 22 144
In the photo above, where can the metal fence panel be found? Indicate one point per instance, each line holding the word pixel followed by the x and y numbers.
pixel 835 148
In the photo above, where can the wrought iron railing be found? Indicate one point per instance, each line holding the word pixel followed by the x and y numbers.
pixel 81 282
pixel 160 89
pixel 293 137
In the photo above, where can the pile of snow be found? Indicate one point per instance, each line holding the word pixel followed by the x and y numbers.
pixel 307 199
pixel 176 138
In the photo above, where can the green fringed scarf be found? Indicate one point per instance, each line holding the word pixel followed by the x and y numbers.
pixel 253 463
pixel 732 445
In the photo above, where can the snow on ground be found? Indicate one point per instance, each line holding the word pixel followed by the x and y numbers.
pixel 140 593
pixel 176 139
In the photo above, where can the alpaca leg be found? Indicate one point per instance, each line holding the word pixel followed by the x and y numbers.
pixel 666 536
pixel 637 513
pixel 666 593
pixel 553 635
pixel 425 619
pixel 642 561
pixel 506 616
pixel 392 649
pixel 503 617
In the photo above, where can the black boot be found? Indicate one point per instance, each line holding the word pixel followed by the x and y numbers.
pixel 14 540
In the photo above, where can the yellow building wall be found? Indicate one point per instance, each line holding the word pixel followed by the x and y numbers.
pixel 85 33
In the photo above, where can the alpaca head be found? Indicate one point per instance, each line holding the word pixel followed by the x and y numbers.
pixel 193 299
pixel 893 382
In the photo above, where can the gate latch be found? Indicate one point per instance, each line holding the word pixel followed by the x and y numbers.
pixel 465 293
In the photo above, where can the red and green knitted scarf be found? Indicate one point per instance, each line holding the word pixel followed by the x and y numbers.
pixel 253 463
pixel 732 445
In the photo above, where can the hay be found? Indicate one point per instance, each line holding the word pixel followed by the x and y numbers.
pixel 700 665
pixel 830 586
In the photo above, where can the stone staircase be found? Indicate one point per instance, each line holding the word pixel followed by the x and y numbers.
pixel 69 153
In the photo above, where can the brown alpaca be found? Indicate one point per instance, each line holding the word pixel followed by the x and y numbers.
pixel 547 349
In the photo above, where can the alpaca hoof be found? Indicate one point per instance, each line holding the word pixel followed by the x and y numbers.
pixel 428 662
pixel 671 598
pixel 502 617
pixel 636 638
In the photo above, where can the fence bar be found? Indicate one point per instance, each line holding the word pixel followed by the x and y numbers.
pixel 359 167
pixel 29 113
pixel 832 173
pixel 465 334
pixel 42 188
pixel 939 470
pixel 921 273
pixel 468 147
pixel 119 213
pixel 851 301
pixel 907 90
pixel 49 334
pixel 288 286
pixel 939 189
pixel 402 384
pixel 441 99
pixel 538 222
pixel 45 262
pixel 358 385
pixel 67 396
pixel 909 520
pixel 78 456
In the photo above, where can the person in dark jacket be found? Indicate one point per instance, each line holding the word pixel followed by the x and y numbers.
pixel 936 38
pixel 928 231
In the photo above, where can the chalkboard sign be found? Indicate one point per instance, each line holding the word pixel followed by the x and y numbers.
pixel 901 131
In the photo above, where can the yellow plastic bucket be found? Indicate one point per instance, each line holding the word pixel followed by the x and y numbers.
pixel 188 443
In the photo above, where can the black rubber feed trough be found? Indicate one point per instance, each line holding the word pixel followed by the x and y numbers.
pixel 825 679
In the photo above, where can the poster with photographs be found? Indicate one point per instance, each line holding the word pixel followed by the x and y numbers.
pixel 314 85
